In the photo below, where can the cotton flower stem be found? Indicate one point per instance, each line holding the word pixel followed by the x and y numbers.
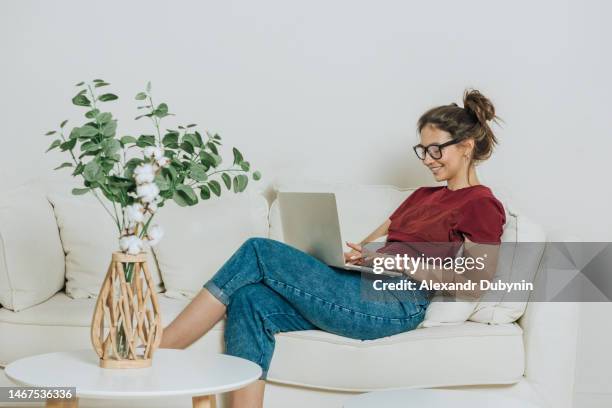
pixel 146 226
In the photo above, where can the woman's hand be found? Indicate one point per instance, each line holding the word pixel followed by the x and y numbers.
pixel 355 256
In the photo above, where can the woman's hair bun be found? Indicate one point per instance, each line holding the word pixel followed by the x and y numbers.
pixel 479 105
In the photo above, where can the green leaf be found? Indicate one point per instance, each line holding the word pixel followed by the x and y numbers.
pixel 145 140
pixel 237 156
pixel 192 139
pixel 188 147
pixel 63 123
pixel 80 191
pixel 215 187
pixel 171 172
pixel 122 182
pixel 256 175
pixel 217 158
pixel 53 145
pixel 68 145
pixel 204 193
pixel 81 100
pixel 98 80
pixel 107 97
pixel 111 146
pixel 92 113
pixel 100 84
pixel 109 129
pixel 80 84
pixel 161 110
pixel 141 96
pixel 171 140
pixel 90 146
pixel 78 170
pixel 240 183
pixel 198 137
pixel 245 165
pixel 212 147
pixel 93 171
pixel 127 139
pixel 104 117
pixel 51 132
pixel 198 172
pixel 184 195
pixel 207 159
pixel 192 125
pixel 163 182
pixel 61 166
pixel 88 131
pixel 149 87
pixel 227 180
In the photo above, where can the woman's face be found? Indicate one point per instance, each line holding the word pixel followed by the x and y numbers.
pixel 452 161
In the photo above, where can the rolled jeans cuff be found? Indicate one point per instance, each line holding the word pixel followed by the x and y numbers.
pixel 217 292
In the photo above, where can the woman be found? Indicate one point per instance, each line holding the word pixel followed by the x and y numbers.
pixel 267 287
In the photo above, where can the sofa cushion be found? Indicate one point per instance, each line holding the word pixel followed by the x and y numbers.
pixel 89 237
pixel 523 243
pixel 464 354
pixel 470 353
pixel 31 257
pixel 199 239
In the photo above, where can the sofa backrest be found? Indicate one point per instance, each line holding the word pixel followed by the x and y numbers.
pixel 31 257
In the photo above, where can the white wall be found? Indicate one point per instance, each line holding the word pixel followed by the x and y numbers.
pixel 332 90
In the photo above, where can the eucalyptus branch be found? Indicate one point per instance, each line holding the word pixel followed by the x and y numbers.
pixel 155 119
pixel 108 168
pixel 93 97
pixel 70 150
pixel 221 171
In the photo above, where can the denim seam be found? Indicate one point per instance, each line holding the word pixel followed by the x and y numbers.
pixel 410 317
pixel 276 330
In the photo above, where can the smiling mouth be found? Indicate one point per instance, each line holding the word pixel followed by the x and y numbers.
pixel 435 169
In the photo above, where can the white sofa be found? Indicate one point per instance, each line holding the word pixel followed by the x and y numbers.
pixel 532 359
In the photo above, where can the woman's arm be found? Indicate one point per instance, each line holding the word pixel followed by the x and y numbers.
pixel 381 231
pixel 355 255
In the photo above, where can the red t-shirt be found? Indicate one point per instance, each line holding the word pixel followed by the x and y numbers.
pixel 437 214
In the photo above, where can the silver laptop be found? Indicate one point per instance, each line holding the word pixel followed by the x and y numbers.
pixel 310 224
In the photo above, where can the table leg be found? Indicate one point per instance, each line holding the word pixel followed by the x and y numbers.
pixel 62 403
pixel 204 401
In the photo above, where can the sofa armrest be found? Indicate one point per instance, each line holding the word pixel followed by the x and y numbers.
pixel 31 254
pixel 550 337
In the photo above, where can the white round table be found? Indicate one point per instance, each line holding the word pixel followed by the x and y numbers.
pixel 432 398
pixel 172 373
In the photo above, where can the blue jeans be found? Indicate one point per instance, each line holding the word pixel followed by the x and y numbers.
pixel 270 287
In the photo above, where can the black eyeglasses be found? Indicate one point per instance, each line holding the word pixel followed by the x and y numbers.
pixel 434 149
